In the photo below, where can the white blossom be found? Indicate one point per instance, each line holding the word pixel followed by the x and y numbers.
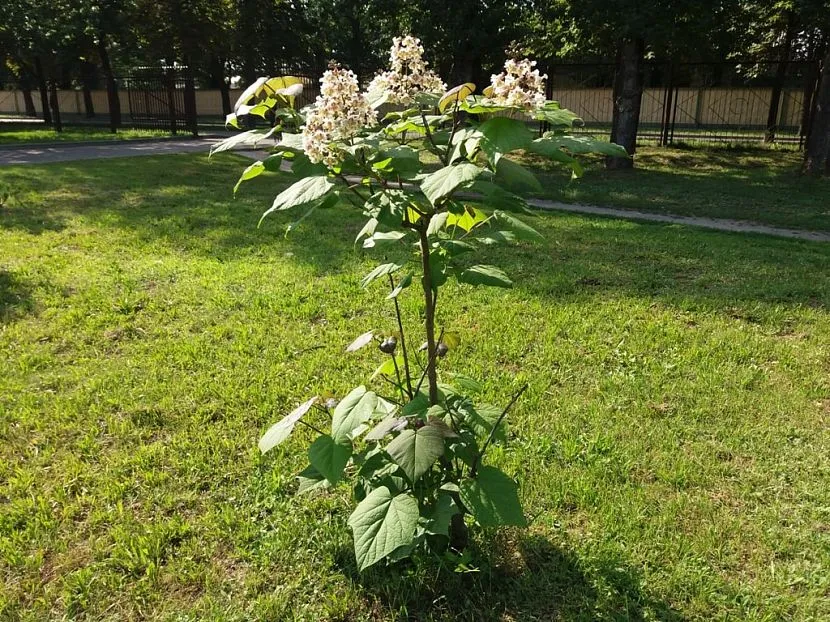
pixel 408 74
pixel 519 85
pixel 339 113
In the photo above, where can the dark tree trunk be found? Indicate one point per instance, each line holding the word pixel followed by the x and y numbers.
pixel 88 81
pixel 190 98
pixel 778 84
pixel 628 95
pixel 817 153
pixel 112 88
pixel 29 102
pixel 217 79
pixel 53 102
pixel 44 92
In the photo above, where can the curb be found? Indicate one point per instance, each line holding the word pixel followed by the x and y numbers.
pixel 94 143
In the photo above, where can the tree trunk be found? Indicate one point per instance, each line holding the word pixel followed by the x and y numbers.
pixel 44 92
pixel 29 103
pixel 87 83
pixel 53 101
pixel 628 95
pixel 112 88
pixel 817 153
pixel 217 79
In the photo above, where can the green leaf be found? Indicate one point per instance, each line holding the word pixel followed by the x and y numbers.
pixel 405 282
pixel 471 217
pixel 329 458
pixel 382 523
pixel 381 270
pixel 440 515
pixel 444 181
pixel 437 223
pixel 387 425
pixel 503 135
pixel 485 275
pixel 456 94
pixel 272 163
pixel 363 340
pixel 521 230
pixel 311 479
pixel 280 431
pixel 586 144
pixel 383 237
pixel 418 406
pixel 550 149
pixel 387 368
pixel 254 170
pixel 481 418
pixel 251 137
pixel 492 498
pixel 302 192
pixel 355 409
pixel 368 229
pixel 515 177
pixel 415 451
pixel 557 116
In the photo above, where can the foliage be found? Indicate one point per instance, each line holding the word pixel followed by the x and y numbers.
pixel 415 451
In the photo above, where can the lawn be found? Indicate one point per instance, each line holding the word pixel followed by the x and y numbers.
pixel 761 185
pixel 671 449
pixel 11 136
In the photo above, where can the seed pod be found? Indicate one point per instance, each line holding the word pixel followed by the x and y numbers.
pixel 388 345
pixel 442 349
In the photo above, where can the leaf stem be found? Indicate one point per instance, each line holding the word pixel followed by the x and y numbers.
pixel 308 425
pixel 489 440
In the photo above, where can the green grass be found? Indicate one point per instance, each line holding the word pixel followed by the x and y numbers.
pixel 761 185
pixel 671 449
pixel 72 134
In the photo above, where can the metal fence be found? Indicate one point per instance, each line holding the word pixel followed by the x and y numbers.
pixel 709 103
pixel 699 103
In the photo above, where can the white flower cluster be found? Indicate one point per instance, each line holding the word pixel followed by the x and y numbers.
pixel 408 75
pixel 519 85
pixel 339 113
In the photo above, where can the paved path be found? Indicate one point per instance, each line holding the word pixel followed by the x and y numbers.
pixel 41 154
pixel 63 153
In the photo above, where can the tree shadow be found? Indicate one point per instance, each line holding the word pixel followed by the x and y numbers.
pixel 15 297
pixel 523 579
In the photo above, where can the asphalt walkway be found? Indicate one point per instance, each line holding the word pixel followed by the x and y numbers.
pixel 39 154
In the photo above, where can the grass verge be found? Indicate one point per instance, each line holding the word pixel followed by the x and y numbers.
pixel 671 448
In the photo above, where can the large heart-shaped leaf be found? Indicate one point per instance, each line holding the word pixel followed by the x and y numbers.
pixel 485 275
pixel 519 228
pixel 415 451
pixel 303 192
pixel 329 458
pixel 440 515
pixel 382 523
pixel 280 431
pixel 492 498
pixel 445 180
pixel 515 177
pixel 355 409
pixel 503 135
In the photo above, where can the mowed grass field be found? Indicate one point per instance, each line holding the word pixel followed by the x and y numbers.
pixel 671 450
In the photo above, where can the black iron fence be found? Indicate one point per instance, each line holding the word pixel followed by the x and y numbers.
pixel 725 102
pixel 743 102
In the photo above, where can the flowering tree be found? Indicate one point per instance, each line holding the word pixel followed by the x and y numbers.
pixel 417 457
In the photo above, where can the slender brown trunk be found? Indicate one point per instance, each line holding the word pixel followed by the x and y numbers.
pixel 44 92
pixel 218 81
pixel 628 95
pixel 429 312
pixel 817 153
pixel 112 88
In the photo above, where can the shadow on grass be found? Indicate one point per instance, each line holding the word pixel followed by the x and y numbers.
pixel 534 580
pixel 15 297
pixel 179 203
